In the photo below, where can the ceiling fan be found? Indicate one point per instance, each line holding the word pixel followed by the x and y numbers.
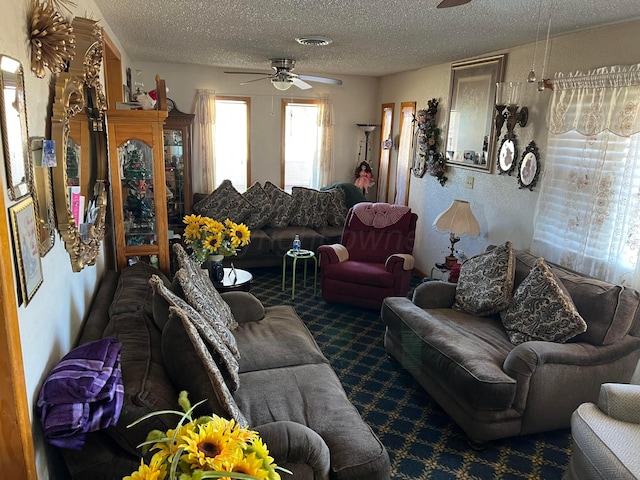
pixel 451 3
pixel 282 77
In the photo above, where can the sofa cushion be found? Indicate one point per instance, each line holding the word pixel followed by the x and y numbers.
pixel 278 340
pixel 331 233
pixel 262 207
pixel 311 207
pixel 192 368
pixel 282 239
pixel 541 309
pixel 199 278
pixel 133 290
pixel 147 387
pixel 225 202
pixel 283 205
pixel 211 333
pixel 486 282
pixel 315 398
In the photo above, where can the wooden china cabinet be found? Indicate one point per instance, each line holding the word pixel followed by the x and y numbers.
pixel 178 132
pixel 136 158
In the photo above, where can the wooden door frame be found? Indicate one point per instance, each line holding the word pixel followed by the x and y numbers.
pixel 17 454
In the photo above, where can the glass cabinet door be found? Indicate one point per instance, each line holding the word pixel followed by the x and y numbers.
pixel 139 210
pixel 174 176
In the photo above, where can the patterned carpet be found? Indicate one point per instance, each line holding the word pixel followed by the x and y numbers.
pixel 422 440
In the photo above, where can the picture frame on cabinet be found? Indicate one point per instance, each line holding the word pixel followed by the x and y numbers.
pixel 25 244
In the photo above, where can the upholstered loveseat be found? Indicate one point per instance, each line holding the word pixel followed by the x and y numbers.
pixel 498 382
pixel 275 217
pixel 284 386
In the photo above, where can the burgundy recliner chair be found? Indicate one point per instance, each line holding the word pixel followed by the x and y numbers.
pixel 374 259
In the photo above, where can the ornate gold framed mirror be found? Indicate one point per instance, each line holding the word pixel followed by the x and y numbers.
pixel 79 179
pixel 43 197
pixel 13 115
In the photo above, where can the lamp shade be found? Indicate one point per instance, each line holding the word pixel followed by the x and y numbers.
pixel 281 84
pixel 458 219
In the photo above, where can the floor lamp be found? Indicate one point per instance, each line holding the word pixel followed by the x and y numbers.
pixel 457 220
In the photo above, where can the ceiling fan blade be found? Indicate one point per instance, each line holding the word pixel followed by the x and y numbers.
pixel 300 84
pixel 254 80
pixel 249 73
pixel 452 3
pixel 311 78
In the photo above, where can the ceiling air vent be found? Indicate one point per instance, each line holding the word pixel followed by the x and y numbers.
pixel 314 41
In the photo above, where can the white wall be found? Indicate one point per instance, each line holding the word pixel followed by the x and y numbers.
pixel 503 211
pixel 353 103
pixel 50 324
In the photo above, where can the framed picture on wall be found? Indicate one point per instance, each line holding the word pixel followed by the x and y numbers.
pixel 470 140
pixel 25 244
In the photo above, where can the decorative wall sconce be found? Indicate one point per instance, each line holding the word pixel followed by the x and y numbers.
pixel 507 98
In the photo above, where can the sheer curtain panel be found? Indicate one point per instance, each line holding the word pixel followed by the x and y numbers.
pixel 206 121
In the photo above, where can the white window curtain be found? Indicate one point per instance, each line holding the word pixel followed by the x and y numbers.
pixel 325 141
pixel 588 213
pixel 206 121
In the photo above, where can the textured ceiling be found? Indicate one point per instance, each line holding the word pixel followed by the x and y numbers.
pixel 370 37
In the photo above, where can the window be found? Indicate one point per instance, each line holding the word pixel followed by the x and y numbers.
pixel 386 133
pixel 300 140
pixel 232 147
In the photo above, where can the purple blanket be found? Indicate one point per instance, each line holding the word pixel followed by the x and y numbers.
pixel 83 393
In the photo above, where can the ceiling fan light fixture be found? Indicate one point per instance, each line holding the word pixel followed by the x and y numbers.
pixel 314 40
pixel 281 84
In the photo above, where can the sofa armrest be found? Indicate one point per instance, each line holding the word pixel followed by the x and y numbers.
pixel 620 401
pixel 293 443
pixel 397 261
pixel 244 306
pixel 335 253
pixel 527 357
pixel 434 295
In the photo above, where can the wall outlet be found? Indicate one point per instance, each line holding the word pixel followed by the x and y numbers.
pixel 469 182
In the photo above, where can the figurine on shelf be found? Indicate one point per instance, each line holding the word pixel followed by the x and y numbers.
pixel 364 177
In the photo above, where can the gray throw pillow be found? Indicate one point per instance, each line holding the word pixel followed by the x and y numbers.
pixel 283 205
pixel 312 207
pixel 206 330
pixel 262 207
pixel 486 282
pixel 542 309
pixel 224 202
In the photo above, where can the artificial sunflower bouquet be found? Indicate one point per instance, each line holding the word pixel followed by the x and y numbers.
pixel 207 236
pixel 205 447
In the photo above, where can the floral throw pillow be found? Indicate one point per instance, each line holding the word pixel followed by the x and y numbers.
pixel 311 207
pixel 542 309
pixel 337 209
pixel 261 213
pixel 283 205
pixel 486 282
pixel 224 202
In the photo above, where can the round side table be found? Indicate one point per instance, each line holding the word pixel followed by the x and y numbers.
pixel 240 282
pixel 299 255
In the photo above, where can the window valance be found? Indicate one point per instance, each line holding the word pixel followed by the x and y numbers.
pixel 591 102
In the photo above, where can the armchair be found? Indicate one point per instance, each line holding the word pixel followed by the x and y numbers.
pixel 373 259
pixel 606 437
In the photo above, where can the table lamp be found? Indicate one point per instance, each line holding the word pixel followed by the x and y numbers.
pixel 457 220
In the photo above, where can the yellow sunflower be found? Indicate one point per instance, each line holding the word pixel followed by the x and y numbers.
pixel 209 447
pixel 154 471
pixel 212 242
pixel 239 234
pixel 251 465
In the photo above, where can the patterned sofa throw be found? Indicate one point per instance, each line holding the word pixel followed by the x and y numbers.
pixel 542 309
pixel 485 283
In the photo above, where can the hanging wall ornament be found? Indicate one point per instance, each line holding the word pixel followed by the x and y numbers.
pixel 426 142
pixel 52 39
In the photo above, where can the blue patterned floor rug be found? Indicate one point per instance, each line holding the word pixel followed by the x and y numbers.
pixel 422 440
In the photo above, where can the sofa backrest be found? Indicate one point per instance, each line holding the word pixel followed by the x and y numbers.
pixel 610 311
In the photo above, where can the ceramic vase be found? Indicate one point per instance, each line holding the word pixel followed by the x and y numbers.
pixel 215 268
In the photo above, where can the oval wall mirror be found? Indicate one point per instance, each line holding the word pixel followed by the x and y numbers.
pixel 14 128
pixel 79 179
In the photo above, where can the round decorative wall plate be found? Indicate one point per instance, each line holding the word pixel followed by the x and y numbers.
pixel 507 156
